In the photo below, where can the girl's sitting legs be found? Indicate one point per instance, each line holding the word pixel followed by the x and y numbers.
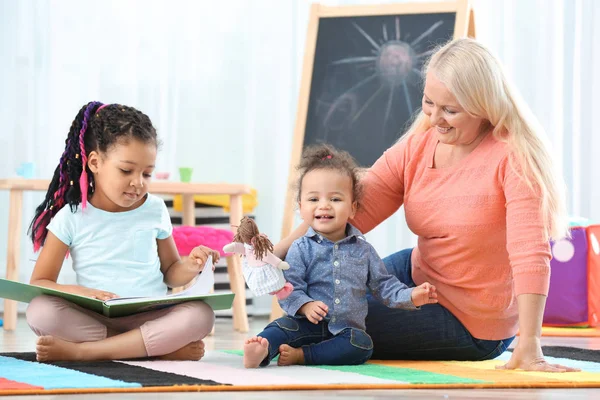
pixel 68 332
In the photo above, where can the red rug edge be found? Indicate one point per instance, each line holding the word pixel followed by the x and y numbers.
pixel 7 384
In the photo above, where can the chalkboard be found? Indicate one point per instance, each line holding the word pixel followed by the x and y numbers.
pixel 361 78
pixel 366 80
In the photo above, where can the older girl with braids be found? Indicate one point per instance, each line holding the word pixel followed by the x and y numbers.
pixel 99 211
pixel 331 268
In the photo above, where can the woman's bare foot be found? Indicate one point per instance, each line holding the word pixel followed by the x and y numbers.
pixel 50 348
pixel 191 352
pixel 290 355
pixel 256 349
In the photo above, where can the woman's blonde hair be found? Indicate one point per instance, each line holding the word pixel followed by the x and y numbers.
pixel 477 80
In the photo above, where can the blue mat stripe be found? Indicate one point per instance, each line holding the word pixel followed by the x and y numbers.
pixel 53 377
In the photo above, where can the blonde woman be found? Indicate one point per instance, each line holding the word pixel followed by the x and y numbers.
pixel 480 192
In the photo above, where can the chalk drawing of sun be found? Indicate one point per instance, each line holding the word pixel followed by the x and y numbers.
pixel 394 62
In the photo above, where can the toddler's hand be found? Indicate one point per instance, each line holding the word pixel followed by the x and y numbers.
pixel 314 311
pixel 424 294
pixel 200 254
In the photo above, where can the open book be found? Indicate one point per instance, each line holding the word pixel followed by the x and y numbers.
pixel 123 306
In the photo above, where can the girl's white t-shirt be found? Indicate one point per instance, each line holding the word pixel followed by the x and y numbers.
pixel 116 251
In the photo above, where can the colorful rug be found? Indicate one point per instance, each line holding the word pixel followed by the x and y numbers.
pixel 223 371
pixel 570 331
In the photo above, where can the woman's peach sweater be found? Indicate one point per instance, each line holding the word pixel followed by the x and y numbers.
pixel 481 240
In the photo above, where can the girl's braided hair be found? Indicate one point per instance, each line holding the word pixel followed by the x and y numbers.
pixel 96 127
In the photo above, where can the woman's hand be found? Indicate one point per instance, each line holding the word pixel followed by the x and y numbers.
pixel 93 293
pixel 200 254
pixel 529 357
pixel 424 294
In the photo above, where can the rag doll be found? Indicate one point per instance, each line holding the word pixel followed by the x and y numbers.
pixel 261 268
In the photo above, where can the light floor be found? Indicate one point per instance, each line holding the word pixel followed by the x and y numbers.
pixel 22 339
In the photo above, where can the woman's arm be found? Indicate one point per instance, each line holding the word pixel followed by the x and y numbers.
pixel 280 249
pixel 529 254
pixel 382 187
pixel 528 352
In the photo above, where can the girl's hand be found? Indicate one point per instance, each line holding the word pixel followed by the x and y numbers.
pixel 200 254
pixel 529 357
pixel 424 294
pixel 314 311
pixel 93 293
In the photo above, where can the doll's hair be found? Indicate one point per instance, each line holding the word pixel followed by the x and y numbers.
pixel 247 232
pixel 325 156
pixel 97 127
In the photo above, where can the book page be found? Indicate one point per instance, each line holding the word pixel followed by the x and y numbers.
pixel 203 285
pixel 204 282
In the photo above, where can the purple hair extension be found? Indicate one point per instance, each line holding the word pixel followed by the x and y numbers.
pixel 58 202
pixel 83 179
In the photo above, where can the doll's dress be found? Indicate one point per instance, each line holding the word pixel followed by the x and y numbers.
pixel 261 277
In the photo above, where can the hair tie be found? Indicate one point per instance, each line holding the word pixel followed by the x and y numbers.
pixel 100 108
pixel 328 157
pixel 83 178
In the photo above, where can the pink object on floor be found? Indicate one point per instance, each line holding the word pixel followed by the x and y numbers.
pixel 188 237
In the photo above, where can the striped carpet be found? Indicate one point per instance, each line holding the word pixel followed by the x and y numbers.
pixel 223 371
pixel 570 331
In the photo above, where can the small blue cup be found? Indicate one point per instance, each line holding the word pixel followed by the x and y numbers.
pixel 26 170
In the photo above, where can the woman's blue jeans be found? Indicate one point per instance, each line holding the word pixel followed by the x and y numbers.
pixel 431 333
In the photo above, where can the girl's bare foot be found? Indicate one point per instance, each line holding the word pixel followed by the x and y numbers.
pixel 290 355
pixel 256 349
pixel 50 348
pixel 191 352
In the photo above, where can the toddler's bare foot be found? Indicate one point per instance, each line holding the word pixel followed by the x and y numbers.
pixel 191 352
pixel 50 348
pixel 290 355
pixel 255 351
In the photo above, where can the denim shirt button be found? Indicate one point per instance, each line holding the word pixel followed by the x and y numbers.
pixel 336 247
pixel 337 301
pixel 336 263
pixel 337 281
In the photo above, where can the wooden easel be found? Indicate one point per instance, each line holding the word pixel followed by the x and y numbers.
pixel 464 26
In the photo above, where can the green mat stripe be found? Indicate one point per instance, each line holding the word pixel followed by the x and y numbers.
pixel 408 375
pixel 235 352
